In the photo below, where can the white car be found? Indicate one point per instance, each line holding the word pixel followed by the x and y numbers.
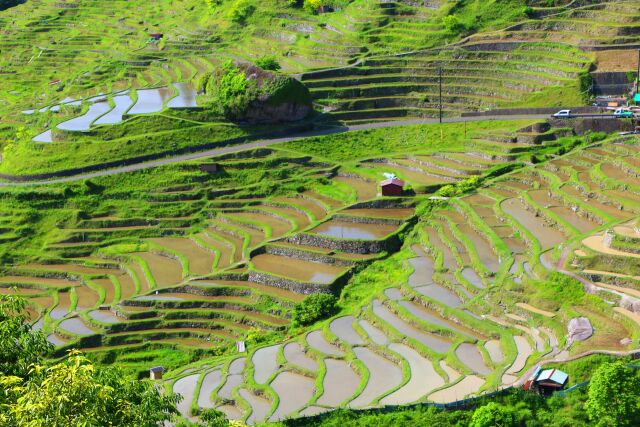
pixel 562 114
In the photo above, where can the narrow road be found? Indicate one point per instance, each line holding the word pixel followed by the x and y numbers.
pixel 263 143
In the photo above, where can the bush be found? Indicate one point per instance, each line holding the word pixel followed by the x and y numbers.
pixel 493 415
pixel 229 89
pixel 268 63
pixel 240 10
pixel 313 308
pixel 313 5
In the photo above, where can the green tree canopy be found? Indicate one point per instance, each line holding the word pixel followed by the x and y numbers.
pixel 75 393
pixel 20 346
pixel 313 308
pixel 493 415
pixel 71 392
pixel 614 396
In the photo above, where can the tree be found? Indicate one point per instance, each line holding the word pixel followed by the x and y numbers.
pixel 313 308
pixel 240 10
pixel 75 393
pixel 493 415
pixel 614 396
pixel 20 346
pixel 313 5
pixel 72 392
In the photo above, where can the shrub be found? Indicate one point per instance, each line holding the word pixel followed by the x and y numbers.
pixel 313 308
pixel 268 63
pixel 313 5
pixel 453 24
pixel 240 10
pixel 492 415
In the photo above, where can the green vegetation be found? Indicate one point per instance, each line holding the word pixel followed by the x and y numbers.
pixel 614 396
pixel 21 347
pixel 342 298
pixel 69 392
pixel 313 308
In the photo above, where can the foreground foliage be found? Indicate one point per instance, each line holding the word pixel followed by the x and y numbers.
pixel 614 396
pixel 71 392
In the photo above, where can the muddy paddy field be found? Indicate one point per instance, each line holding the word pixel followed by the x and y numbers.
pixel 441 299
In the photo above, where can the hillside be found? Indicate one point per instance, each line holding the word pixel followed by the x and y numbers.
pixel 155 213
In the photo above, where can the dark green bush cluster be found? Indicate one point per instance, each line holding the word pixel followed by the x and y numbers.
pixel 313 308
pixel 231 91
pixel 5 4
pixel 241 10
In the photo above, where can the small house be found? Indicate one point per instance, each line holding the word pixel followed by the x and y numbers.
pixel 209 167
pixel 326 9
pixel 392 187
pixel 156 372
pixel 156 36
pixel 546 381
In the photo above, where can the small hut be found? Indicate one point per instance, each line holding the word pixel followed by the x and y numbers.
pixel 156 372
pixel 156 36
pixel 392 187
pixel 209 167
pixel 546 381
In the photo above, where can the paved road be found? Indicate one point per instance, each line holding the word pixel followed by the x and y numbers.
pixel 263 143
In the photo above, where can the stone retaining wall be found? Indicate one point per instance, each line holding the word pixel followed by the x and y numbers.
pixel 390 244
pixel 367 220
pixel 301 254
pixel 593 124
pixel 296 286
pixel 386 203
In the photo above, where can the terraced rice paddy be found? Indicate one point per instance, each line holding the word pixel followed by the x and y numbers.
pixel 178 263
pixel 453 347
pixel 198 274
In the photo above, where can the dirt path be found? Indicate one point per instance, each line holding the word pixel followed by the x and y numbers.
pixel 260 144
pixel 597 244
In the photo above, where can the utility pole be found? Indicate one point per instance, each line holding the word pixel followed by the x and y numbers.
pixel 440 86
pixel 638 75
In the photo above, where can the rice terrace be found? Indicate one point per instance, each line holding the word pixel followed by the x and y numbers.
pixel 319 213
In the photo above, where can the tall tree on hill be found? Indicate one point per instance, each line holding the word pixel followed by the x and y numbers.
pixel 614 396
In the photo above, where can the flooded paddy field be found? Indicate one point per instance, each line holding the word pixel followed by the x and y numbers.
pixel 179 266
pixel 297 269
pixel 353 230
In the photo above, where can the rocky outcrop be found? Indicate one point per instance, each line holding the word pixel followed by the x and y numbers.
pixel 280 98
pixel 580 329
pixel 243 92
pixel 261 111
